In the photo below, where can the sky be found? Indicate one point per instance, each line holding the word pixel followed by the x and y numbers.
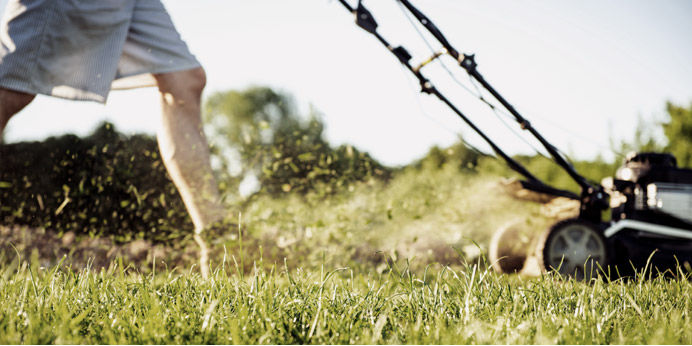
pixel 583 72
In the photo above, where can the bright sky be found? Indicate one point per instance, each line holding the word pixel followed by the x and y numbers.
pixel 582 72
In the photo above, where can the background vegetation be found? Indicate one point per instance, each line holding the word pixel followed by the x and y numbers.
pixel 104 184
pixel 335 248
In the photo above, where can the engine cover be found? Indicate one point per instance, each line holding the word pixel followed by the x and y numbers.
pixel 672 199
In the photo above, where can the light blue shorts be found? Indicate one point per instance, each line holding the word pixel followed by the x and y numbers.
pixel 81 49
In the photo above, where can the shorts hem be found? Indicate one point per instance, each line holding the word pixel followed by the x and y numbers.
pixel 21 87
pixel 121 81
pixel 85 95
pixel 79 95
pixel 177 68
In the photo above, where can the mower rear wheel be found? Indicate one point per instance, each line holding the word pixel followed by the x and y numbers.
pixel 574 248
pixel 508 247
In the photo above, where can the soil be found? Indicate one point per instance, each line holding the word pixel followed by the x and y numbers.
pixel 79 252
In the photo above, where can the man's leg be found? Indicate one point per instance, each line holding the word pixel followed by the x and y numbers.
pixel 11 102
pixel 185 151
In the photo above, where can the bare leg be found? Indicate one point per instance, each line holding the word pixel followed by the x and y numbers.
pixel 11 102
pixel 185 151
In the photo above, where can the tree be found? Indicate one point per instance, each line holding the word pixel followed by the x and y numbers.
pixel 458 154
pixel 678 130
pixel 644 139
pixel 259 133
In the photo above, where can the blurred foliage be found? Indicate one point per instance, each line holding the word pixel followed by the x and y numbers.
pixel 643 140
pixel 105 183
pixel 108 183
pixel 470 162
pixel 260 132
pixel 546 170
pixel 457 155
pixel 678 130
pixel 426 212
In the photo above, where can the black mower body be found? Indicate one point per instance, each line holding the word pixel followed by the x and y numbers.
pixel 651 222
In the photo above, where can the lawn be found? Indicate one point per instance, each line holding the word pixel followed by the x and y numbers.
pixel 324 305
pixel 402 262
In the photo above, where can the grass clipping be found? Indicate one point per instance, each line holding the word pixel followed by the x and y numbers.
pixel 430 215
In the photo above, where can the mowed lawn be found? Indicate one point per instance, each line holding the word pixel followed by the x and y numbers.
pixel 321 305
pixel 315 272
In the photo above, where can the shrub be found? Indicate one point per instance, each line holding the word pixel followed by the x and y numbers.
pixel 104 184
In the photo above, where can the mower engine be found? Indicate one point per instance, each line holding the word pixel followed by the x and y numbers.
pixel 672 199
pixel 651 223
pixel 649 187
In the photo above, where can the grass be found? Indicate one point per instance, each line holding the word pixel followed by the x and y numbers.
pixel 376 264
pixel 336 306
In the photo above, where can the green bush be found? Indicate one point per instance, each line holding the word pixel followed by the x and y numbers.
pixel 104 184
pixel 545 169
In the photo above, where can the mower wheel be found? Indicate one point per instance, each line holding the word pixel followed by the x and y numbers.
pixel 574 248
pixel 508 247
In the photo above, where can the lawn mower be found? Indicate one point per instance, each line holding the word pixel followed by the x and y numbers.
pixel 650 198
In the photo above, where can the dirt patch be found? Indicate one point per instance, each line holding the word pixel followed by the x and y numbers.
pixel 79 252
pixel 49 248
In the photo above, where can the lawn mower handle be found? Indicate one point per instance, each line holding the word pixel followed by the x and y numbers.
pixel 592 198
pixel 469 64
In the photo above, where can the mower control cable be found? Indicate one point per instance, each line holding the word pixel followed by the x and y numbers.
pixel 365 20
pixel 469 64
pixel 477 94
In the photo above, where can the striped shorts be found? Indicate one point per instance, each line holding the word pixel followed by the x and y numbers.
pixel 81 49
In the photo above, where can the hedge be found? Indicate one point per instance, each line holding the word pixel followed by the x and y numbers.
pixel 103 184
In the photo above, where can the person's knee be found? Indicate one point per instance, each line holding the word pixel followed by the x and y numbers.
pixel 11 102
pixel 197 79
pixel 183 83
pixel 14 99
